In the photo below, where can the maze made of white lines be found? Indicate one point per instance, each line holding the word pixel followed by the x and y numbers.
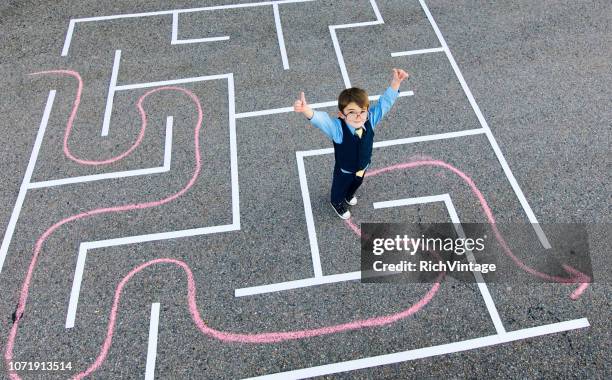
pixel 173 19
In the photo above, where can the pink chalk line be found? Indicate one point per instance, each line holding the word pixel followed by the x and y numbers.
pixel 26 283
pixel 75 107
pixel 191 289
pixel 576 277
pixel 260 338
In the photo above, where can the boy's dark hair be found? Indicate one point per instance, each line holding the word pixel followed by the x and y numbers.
pixel 353 94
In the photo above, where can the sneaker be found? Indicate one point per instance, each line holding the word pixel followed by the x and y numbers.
pixel 341 210
pixel 351 202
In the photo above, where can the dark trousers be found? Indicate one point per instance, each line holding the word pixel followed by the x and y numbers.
pixel 344 185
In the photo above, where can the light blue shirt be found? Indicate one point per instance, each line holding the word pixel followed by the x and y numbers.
pixel 333 127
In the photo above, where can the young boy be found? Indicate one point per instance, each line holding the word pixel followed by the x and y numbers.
pixel 353 136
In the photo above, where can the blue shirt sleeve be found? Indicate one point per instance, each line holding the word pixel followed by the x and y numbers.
pixel 384 104
pixel 331 127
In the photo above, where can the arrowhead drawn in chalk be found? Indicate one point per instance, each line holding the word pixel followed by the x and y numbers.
pixel 577 277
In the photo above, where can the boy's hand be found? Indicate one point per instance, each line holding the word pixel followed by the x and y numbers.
pixel 300 104
pixel 302 107
pixel 398 76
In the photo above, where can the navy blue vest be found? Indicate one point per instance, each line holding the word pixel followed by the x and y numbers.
pixel 354 153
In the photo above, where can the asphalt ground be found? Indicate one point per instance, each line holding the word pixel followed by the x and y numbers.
pixel 539 71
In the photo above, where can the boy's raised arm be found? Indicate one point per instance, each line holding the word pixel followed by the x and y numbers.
pixel 319 119
pixel 385 102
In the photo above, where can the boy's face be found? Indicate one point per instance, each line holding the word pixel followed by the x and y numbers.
pixel 354 115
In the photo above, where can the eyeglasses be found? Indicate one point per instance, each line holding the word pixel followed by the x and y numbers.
pixel 354 115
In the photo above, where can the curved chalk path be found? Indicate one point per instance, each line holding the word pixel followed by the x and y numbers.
pixel 75 107
pixel 191 289
pixel 260 338
pixel 577 277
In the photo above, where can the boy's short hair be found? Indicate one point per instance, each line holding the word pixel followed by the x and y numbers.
pixel 353 94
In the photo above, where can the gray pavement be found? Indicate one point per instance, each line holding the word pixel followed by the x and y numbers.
pixel 539 72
